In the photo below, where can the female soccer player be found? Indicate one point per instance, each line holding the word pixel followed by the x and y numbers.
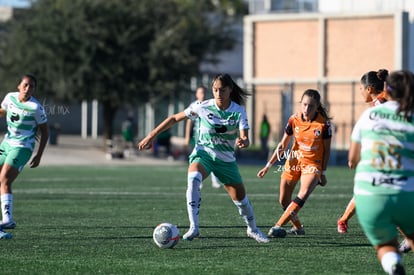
pixel 307 160
pixel 25 116
pixel 382 151
pixel 191 130
pixel 372 91
pixel 223 125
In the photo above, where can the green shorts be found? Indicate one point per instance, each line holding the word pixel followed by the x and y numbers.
pixel 226 172
pixel 14 156
pixel 379 215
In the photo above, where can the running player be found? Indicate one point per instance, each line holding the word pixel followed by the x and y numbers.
pixel 223 125
pixel 372 91
pixel 382 151
pixel 306 161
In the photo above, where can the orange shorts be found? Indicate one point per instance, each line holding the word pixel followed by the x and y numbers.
pixel 295 168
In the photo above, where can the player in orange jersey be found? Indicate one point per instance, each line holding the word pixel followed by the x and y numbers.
pixel 372 91
pixel 306 160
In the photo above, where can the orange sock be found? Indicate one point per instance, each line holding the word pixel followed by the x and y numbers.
pixel 290 214
pixel 349 211
pixel 294 220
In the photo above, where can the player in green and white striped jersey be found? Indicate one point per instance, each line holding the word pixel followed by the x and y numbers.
pixel 223 125
pixel 25 116
pixel 382 150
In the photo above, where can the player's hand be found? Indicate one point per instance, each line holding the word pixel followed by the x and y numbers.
pixel 242 143
pixel 146 143
pixel 262 172
pixel 323 181
pixel 35 161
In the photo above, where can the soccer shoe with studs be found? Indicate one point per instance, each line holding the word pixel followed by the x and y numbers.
pixel 342 226
pixel 191 234
pixel 276 232
pixel 296 231
pixel 398 269
pixel 7 225
pixel 257 235
pixel 5 235
pixel 404 246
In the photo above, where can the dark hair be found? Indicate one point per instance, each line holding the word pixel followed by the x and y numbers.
pixel 375 80
pixel 237 94
pixel 314 94
pixel 400 87
pixel 31 77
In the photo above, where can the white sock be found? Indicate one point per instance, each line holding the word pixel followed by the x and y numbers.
pixel 214 179
pixel 246 211
pixel 390 259
pixel 6 207
pixel 193 196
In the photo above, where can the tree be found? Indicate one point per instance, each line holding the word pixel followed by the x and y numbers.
pixel 115 51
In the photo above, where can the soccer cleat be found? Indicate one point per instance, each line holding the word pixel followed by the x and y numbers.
pixel 191 234
pixel 296 231
pixel 257 235
pixel 215 184
pixel 404 246
pixel 7 225
pixel 5 235
pixel 398 269
pixel 276 232
pixel 342 226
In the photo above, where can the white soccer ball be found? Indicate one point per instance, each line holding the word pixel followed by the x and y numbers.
pixel 166 235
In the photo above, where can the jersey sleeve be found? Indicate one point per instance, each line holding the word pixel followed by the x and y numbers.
pixel 327 130
pixel 192 111
pixel 289 126
pixel 40 115
pixel 5 102
pixel 244 122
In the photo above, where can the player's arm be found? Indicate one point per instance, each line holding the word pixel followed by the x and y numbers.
pixel 147 142
pixel 277 154
pixel 354 154
pixel 2 112
pixel 243 140
pixel 188 126
pixel 326 155
pixel 44 136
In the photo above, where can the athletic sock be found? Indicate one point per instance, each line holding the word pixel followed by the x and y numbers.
pixel 193 196
pixel 349 211
pixel 246 212
pixel 388 260
pixel 6 207
pixel 291 213
pixel 294 220
pixel 214 179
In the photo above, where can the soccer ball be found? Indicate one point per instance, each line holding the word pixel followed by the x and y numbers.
pixel 166 235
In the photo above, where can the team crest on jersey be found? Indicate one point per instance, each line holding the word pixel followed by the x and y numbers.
pixel 317 132
pixel 297 129
pixel 232 122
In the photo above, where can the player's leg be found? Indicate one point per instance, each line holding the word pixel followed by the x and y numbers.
pixel 229 174
pixel 196 174
pixel 13 164
pixel 308 183
pixel 346 216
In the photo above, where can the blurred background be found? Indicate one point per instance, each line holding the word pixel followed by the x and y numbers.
pixel 102 62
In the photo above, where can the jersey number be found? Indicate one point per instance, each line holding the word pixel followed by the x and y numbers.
pixel 388 155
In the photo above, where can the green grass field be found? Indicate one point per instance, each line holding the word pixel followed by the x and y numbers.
pixel 99 220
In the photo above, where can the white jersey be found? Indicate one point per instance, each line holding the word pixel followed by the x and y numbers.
pixel 218 129
pixel 387 151
pixel 22 120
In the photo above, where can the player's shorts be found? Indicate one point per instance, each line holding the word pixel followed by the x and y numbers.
pixel 294 168
pixel 379 215
pixel 14 156
pixel 226 172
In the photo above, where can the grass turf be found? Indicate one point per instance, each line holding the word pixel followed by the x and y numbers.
pixel 99 220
